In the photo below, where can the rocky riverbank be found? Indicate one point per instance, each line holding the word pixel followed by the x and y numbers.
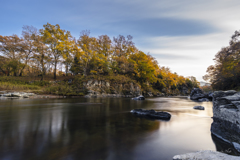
pixel 226 117
pixel 22 95
pixel 225 128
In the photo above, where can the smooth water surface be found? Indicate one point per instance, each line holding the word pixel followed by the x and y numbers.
pixel 101 129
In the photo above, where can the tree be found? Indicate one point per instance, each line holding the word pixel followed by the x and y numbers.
pixel 225 74
pixel 144 67
pixel 11 47
pixel 27 46
pixel 88 46
pixel 57 40
pixel 122 49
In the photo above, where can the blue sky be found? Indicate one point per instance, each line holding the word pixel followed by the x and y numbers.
pixel 183 35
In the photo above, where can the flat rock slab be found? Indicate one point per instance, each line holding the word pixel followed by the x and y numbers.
pixel 199 107
pixel 152 114
pixel 205 155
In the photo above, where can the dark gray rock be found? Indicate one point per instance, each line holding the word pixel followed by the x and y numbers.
pixel 226 117
pixel 199 107
pixel 139 98
pixel 198 95
pixel 203 100
pixel 152 114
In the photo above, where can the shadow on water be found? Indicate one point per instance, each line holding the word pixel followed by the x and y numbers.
pixel 101 129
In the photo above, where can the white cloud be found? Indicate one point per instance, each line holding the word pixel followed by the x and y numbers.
pixel 188 55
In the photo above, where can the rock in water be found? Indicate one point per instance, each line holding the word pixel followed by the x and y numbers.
pixel 226 117
pixel 199 107
pixel 139 98
pixel 152 114
pixel 198 95
pixel 205 155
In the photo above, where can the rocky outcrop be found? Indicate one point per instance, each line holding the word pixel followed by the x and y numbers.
pixel 199 107
pixel 226 117
pixel 205 155
pixel 198 95
pixel 151 114
pixel 99 88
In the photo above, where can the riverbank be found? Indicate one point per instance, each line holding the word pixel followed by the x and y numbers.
pixel 90 86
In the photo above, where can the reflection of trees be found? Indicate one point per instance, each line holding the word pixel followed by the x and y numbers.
pixel 50 129
pixel 101 132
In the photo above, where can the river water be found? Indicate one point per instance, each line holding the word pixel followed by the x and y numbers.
pixel 101 129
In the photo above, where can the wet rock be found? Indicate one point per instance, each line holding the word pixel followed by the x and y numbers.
pixel 139 98
pixel 205 155
pixel 203 100
pixel 152 114
pixel 199 107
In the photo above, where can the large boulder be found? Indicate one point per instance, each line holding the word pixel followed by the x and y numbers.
pixel 226 117
pixel 152 114
pixel 198 95
pixel 205 155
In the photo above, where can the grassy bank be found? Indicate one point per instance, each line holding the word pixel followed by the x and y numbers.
pixel 17 87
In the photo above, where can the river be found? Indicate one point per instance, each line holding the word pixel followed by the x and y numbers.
pixel 101 129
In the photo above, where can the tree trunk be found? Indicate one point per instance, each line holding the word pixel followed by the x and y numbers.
pixel 66 69
pixel 55 70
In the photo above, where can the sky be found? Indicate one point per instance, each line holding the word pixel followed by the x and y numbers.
pixel 183 35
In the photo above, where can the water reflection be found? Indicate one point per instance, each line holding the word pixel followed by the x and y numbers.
pixel 101 129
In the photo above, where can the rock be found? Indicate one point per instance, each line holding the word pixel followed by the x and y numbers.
pixel 16 94
pixel 205 155
pixel 198 95
pixel 103 88
pixel 226 117
pixel 224 146
pixel 152 114
pixel 139 98
pixel 149 94
pixel 7 95
pixel 203 100
pixel 199 107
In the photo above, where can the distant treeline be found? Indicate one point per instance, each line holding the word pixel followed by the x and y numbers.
pixel 54 51
pixel 225 74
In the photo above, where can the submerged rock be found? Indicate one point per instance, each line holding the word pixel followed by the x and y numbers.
pixel 152 114
pixel 139 98
pixel 199 107
pixel 205 155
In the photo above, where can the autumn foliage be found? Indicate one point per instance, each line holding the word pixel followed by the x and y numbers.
pixel 54 51
pixel 225 74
